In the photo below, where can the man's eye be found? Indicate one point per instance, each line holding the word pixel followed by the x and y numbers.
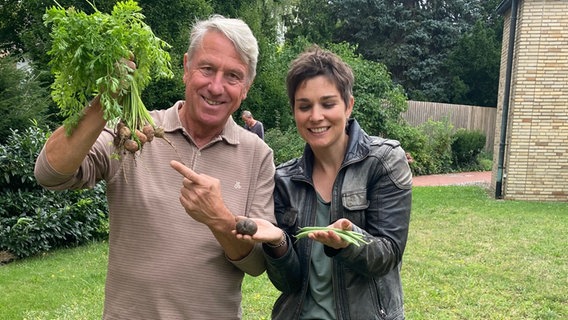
pixel 233 78
pixel 207 71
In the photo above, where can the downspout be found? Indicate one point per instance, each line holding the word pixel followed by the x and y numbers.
pixel 506 98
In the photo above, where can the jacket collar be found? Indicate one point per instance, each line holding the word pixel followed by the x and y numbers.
pixel 357 149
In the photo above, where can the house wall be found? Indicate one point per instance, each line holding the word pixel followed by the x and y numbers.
pixel 536 157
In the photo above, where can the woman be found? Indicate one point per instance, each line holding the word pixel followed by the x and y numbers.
pixel 345 179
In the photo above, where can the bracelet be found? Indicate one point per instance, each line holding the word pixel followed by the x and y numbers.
pixel 281 244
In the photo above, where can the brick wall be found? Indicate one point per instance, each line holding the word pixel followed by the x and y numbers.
pixel 536 157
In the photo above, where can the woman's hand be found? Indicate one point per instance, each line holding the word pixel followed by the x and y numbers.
pixel 330 238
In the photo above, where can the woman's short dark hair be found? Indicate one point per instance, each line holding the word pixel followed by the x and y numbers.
pixel 314 62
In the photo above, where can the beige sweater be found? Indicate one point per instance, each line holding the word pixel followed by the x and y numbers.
pixel 162 264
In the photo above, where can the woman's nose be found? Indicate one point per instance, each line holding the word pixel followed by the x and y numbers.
pixel 316 113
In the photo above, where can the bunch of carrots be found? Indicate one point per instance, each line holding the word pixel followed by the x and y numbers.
pixel 86 55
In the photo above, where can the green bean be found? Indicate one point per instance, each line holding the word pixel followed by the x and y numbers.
pixel 349 236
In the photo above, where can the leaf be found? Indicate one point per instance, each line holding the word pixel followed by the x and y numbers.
pixel 85 55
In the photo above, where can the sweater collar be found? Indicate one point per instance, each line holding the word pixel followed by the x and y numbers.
pixel 172 122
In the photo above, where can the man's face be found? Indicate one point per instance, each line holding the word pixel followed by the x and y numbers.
pixel 247 121
pixel 216 82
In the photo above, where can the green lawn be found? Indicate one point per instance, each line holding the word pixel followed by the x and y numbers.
pixel 468 257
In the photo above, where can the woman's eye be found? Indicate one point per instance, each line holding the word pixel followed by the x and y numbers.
pixel 329 105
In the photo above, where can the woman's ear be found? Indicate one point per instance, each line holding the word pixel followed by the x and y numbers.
pixel 349 108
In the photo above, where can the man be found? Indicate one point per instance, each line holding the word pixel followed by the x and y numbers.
pixel 253 125
pixel 164 264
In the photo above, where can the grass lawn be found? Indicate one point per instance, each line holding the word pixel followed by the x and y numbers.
pixel 468 257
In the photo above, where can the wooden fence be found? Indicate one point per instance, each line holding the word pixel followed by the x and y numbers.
pixel 460 116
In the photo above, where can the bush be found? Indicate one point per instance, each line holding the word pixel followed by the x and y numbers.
pixel 22 96
pixel 413 141
pixel 435 156
pixel 466 147
pixel 286 145
pixel 33 219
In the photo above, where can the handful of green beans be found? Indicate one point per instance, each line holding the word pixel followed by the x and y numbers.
pixel 352 237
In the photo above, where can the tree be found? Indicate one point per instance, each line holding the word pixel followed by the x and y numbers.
pixel 22 98
pixel 413 38
pixel 378 100
pixel 310 19
pixel 171 20
pixel 475 64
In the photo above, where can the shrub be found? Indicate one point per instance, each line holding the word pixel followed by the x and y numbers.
pixel 33 219
pixel 22 96
pixel 413 141
pixel 436 153
pixel 466 147
pixel 286 145
pixel 485 160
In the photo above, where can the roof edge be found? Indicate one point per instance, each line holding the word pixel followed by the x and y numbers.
pixel 504 6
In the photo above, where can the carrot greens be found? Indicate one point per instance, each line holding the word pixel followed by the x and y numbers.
pixel 87 57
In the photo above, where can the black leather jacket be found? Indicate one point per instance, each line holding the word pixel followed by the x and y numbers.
pixel 373 190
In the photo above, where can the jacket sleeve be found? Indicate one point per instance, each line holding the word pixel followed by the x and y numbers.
pixel 284 272
pixel 385 220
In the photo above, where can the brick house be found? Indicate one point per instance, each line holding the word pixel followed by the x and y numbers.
pixel 531 134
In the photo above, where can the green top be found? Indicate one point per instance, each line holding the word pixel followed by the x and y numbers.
pixel 319 303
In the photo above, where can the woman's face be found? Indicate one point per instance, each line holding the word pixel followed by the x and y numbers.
pixel 321 114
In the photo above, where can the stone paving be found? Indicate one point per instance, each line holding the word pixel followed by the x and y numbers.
pixel 458 178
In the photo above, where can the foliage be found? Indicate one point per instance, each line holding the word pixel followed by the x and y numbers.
pixel 466 147
pixel 413 141
pixel 435 155
pixel 485 161
pixel 311 19
pixel 378 100
pixel 22 97
pixel 286 144
pixel 414 39
pixel 85 55
pixel 33 219
pixel 170 20
pixel 267 99
pixel 23 22
pixel 474 64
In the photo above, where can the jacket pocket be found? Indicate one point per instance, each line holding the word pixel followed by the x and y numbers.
pixel 355 203
pixel 289 219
